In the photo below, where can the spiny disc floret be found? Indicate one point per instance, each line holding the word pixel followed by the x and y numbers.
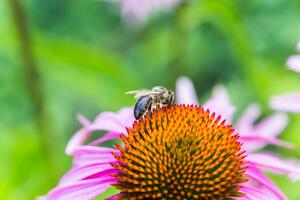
pixel 180 152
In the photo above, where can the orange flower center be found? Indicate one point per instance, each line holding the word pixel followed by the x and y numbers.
pixel 180 152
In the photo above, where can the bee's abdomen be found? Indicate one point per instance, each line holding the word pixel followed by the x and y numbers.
pixel 141 106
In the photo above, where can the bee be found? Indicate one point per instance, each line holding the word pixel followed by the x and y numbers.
pixel 148 100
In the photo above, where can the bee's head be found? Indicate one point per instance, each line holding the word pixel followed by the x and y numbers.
pixel 171 97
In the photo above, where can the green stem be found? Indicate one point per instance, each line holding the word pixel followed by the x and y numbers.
pixel 31 75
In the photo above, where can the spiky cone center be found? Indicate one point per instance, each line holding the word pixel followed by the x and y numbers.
pixel 180 152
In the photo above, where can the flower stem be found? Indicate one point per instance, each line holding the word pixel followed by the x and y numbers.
pixel 31 75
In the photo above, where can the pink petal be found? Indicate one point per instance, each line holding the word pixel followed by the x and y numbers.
pixel 83 120
pixel 256 142
pixel 272 126
pixel 272 163
pixel 76 140
pixel 115 122
pixel 252 193
pixel 79 137
pixel 244 124
pixel 106 137
pixel 261 193
pixel 85 155
pixel 220 103
pixel 293 63
pixel 81 190
pixel 126 116
pixel 123 117
pixel 93 150
pixel 87 171
pixel 185 91
pixel 114 197
pixel 257 175
pixel 256 136
pixel 108 121
pixel 288 102
pixel 294 176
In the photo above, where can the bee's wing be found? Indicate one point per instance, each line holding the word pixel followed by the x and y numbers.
pixel 140 93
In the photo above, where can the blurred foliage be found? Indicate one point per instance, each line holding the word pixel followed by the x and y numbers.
pixel 88 57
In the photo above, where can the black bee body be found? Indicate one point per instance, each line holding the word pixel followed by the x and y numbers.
pixel 149 100
pixel 142 106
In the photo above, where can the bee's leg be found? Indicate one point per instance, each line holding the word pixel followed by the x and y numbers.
pixel 150 110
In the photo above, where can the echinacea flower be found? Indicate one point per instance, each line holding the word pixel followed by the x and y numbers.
pixel 179 152
pixel 289 102
pixel 140 10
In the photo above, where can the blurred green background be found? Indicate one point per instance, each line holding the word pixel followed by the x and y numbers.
pixel 59 58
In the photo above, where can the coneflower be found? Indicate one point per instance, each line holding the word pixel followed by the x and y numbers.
pixel 179 152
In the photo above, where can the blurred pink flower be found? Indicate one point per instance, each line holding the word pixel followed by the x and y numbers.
pixel 92 172
pixel 140 10
pixel 289 102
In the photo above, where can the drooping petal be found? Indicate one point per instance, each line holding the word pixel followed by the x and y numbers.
pixel 265 132
pixel 255 142
pixel 256 175
pixel 106 137
pixel 244 124
pixel 272 126
pixel 94 170
pixel 252 193
pixel 85 155
pixel 107 121
pixel 220 103
pixel 83 120
pixel 185 91
pixel 110 121
pixel 295 176
pixel 256 136
pixel 293 63
pixel 287 102
pixel 77 139
pixel 81 190
pixel 273 163
pixel 126 116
